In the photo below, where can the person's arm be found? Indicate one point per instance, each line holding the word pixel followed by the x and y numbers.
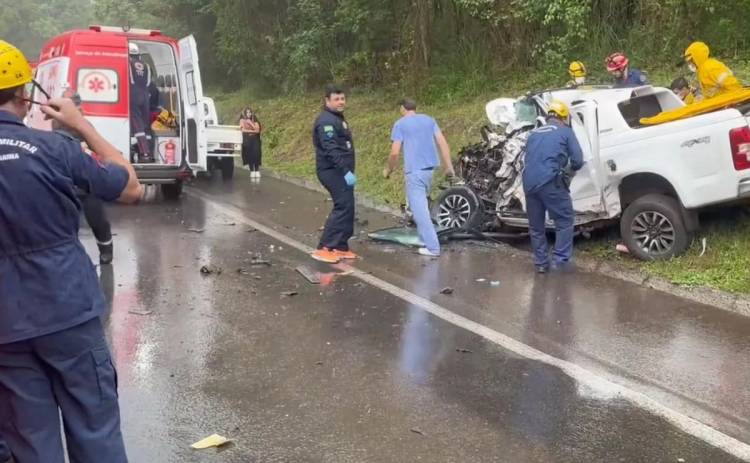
pixel 574 152
pixel 392 158
pixel 64 111
pixel 326 132
pixel 445 153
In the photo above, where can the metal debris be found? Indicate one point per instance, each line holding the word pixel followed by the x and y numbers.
pixel 210 269
pixel 309 275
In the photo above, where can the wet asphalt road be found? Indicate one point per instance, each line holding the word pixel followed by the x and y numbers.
pixel 347 372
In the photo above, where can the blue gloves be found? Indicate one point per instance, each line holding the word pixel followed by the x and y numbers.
pixel 350 178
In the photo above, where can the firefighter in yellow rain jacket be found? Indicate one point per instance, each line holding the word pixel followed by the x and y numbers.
pixel 715 77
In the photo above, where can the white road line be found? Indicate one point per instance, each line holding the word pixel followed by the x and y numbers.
pixel 685 423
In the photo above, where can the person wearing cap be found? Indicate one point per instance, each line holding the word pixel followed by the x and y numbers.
pixel 420 137
pixel 683 90
pixel 577 73
pixel 93 207
pixel 553 154
pixel 618 65
pixel 714 77
pixel 140 102
pixel 54 360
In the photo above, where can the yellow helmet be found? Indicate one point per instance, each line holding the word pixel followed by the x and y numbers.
pixel 15 70
pixel 577 69
pixel 558 108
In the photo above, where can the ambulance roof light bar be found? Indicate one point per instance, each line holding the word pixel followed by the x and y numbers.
pixel 125 29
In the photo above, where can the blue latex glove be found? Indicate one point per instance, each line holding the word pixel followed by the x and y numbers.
pixel 350 178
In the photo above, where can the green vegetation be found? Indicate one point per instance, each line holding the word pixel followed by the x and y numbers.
pixel 451 55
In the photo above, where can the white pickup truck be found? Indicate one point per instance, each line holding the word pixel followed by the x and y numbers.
pixel 653 179
pixel 224 142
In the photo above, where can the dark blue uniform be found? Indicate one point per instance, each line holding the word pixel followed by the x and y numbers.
pixel 53 354
pixel 635 78
pixel 140 103
pixel 550 150
pixel 334 157
pixel 4 451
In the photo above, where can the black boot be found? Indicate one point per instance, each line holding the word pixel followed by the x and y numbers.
pixel 106 253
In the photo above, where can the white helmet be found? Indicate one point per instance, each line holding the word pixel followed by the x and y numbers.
pixel 133 48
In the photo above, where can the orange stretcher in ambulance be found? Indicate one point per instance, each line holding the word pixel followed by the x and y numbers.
pixel 96 64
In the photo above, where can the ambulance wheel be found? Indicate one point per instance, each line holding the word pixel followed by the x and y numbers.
pixel 171 191
pixel 227 168
pixel 653 228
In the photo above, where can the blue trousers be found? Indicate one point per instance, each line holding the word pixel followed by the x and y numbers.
pixel 418 186
pixel 68 373
pixel 4 451
pixel 340 224
pixel 555 200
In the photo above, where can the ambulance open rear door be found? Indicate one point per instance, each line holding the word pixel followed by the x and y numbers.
pixel 194 139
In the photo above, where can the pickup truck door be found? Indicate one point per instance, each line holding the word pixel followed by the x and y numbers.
pixel 587 188
pixel 192 95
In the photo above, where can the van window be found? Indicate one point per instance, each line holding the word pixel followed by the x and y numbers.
pixel 635 109
pixel 192 98
pixel 98 85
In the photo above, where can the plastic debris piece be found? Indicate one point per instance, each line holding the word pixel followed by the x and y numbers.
pixel 213 440
pixel 417 431
pixel 622 249
pixel 196 230
pixel 465 351
pixel 447 290
pixel 494 284
pixel 140 312
pixel 289 293
pixel 308 274
pixel 481 280
pixel 704 243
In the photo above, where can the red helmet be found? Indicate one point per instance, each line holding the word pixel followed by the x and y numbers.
pixel 616 62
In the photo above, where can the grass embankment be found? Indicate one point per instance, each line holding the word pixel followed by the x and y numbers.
pixel 287 149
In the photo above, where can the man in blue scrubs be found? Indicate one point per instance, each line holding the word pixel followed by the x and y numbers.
pixel 54 359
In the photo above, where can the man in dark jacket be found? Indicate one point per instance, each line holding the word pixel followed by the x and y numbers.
pixel 334 159
pixel 552 154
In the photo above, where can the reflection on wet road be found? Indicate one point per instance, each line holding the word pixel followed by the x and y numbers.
pixel 346 372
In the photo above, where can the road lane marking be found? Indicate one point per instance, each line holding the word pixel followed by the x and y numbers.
pixel 585 377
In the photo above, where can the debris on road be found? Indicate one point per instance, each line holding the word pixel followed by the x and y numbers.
pixel 622 249
pixel 417 431
pixel 213 440
pixel 196 230
pixel 309 275
pixel 704 245
pixel 481 280
pixel 242 271
pixel 259 261
pixel 447 290
pixel 210 269
pixel 464 351
pixel 230 224
pixel 289 293
pixel 494 284
pixel 251 230
pixel 140 312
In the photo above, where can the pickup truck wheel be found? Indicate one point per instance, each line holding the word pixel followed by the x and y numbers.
pixel 457 208
pixel 653 228
pixel 227 168
pixel 171 191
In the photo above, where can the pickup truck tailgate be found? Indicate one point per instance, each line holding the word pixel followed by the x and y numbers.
pixel 217 134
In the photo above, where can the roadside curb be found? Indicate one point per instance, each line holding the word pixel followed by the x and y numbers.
pixel 723 300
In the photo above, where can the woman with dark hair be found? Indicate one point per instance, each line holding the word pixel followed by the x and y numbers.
pixel 251 145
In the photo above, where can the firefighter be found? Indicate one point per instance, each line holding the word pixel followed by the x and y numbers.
pixel 140 103
pixel 334 159
pixel 54 359
pixel 714 77
pixel 552 156
pixel 577 72
pixel 618 65
pixel 93 207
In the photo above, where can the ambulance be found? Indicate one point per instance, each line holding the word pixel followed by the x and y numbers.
pixel 95 63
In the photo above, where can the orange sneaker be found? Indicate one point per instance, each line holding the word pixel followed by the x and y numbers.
pixel 326 255
pixel 345 254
